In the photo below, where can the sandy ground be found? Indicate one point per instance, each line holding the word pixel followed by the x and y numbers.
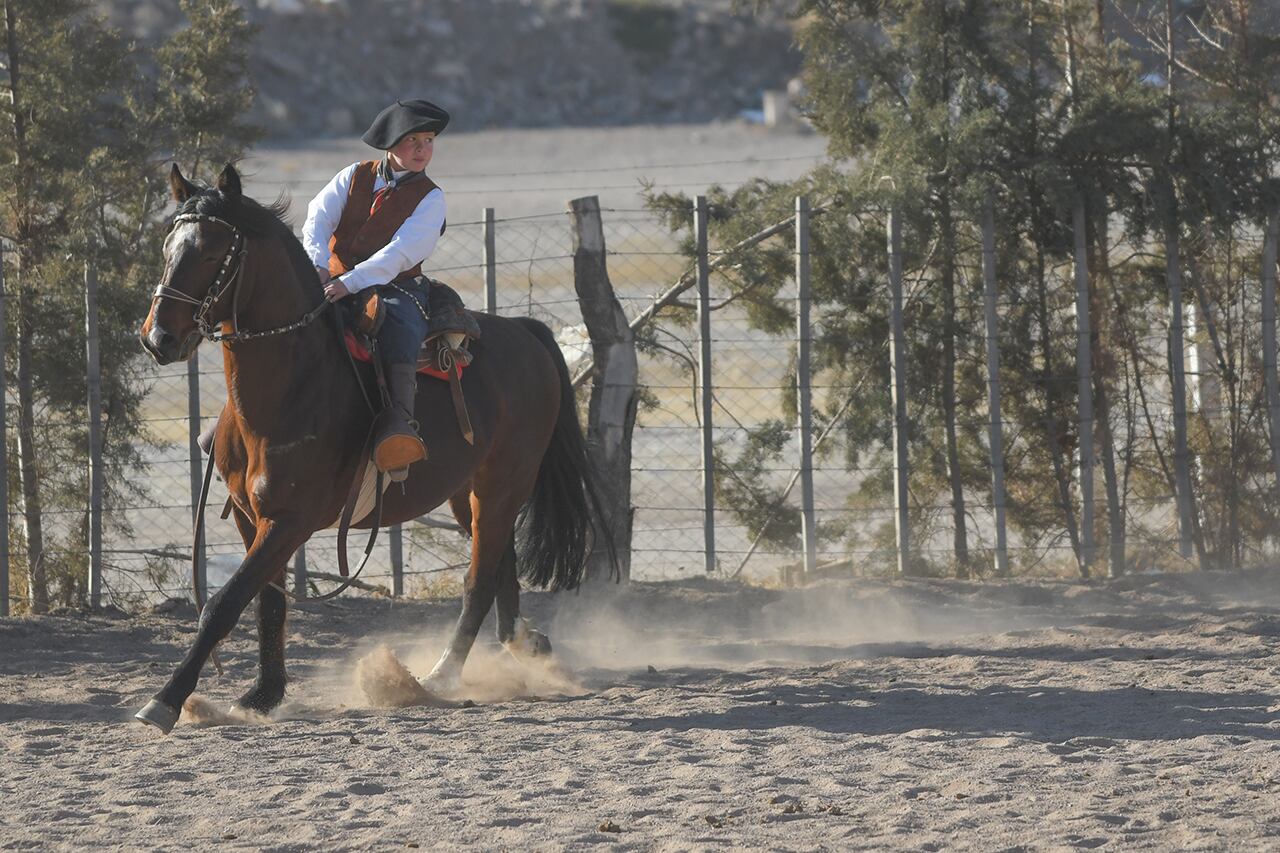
pixel 1139 714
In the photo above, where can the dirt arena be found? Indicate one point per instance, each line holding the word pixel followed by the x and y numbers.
pixel 929 715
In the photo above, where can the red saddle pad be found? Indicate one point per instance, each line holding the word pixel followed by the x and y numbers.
pixel 359 353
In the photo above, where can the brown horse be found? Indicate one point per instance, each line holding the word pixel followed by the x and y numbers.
pixel 289 442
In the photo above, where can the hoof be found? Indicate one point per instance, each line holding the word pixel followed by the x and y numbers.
pixel 537 644
pixel 444 680
pixel 260 700
pixel 528 643
pixel 156 713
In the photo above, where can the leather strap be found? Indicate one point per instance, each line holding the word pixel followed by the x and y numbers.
pixel 197 543
pixel 460 405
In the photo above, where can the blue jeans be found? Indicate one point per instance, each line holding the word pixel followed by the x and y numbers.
pixel 405 325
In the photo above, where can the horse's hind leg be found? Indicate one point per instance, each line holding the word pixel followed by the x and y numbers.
pixel 460 506
pixel 275 541
pixel 513 632
pixel 508 598
pixel 492 522
pixel 268 691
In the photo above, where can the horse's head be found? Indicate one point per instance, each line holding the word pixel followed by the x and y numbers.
pixel 202 256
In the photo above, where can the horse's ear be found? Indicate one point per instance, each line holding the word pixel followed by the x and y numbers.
pixel 181 188
pixel 229 182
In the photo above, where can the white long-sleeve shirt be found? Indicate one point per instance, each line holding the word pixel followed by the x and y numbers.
pixel 413 242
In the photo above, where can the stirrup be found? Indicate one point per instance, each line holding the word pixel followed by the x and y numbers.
pixel 398 451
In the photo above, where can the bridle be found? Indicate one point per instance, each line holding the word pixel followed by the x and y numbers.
pixel 227 279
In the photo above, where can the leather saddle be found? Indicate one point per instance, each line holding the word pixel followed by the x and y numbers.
pixel 445 351
pixel 450 327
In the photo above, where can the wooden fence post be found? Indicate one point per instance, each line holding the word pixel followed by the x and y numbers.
pixel 490 263
pixel 804 394
pixel 94 382
pixel 995 432
pixel 615 376
pixel 897 369
pixel 1084 384
pixel 704 384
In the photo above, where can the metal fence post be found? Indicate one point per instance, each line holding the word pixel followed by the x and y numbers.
pixel 995 435
pixel 704 385
pixel 1268 335
pixel 300 572
pixel 490 263
pixel 804 397
pixel 194 467
pixel 94 382
pixel 1084 384
pixel 4 458
pixel 396 535
pixel 897 367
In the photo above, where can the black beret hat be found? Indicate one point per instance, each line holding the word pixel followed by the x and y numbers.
pixel 403 118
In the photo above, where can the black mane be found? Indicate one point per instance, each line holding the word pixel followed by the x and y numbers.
pixel 255 220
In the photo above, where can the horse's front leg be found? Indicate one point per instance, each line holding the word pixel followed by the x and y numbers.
pixel 276 539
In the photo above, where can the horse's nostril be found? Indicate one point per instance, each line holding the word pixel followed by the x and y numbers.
pixel 162 340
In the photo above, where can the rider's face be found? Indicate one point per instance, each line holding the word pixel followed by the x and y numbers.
pixel 413 152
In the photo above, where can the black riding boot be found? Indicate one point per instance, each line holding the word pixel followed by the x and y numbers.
pixel 398 444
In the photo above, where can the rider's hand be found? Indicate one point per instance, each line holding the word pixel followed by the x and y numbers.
pixel 323 274
pixel 336 290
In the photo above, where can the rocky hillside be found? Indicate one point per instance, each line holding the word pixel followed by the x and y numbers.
pixel 324 67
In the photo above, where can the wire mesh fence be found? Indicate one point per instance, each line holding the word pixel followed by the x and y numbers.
pixel 534 275
pixel 753 390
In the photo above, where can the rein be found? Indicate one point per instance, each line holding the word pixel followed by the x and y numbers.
pixel 224 280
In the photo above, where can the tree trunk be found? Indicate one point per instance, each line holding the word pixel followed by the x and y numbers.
pixel 1053 432
pixel 1049 379
pixel 1135 359
pixel 954 476
pixel 611 415
pixel 37 583
pixel 1104 370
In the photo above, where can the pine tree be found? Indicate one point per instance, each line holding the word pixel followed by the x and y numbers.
pixel 89 118
pixel 1040 102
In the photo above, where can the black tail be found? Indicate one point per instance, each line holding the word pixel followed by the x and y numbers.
pixel 555 532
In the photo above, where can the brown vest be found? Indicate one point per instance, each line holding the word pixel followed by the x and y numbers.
pixel 360 234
